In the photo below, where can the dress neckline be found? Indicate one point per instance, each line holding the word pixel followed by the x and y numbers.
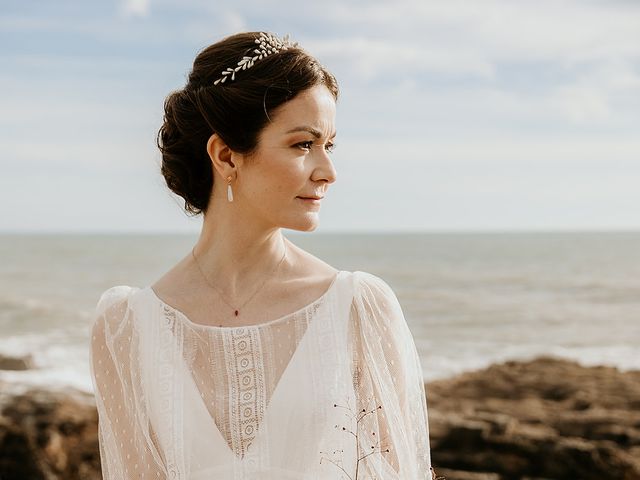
pixel 254 326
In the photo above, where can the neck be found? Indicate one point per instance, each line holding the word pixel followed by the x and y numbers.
pixel 235 257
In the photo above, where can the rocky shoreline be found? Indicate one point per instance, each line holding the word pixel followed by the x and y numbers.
pixel 545 419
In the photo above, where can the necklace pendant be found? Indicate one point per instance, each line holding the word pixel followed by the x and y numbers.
pixel 236 313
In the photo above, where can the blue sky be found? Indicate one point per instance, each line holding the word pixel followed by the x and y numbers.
pixel 454 115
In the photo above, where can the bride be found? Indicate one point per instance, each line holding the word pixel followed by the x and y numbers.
pixel 251 358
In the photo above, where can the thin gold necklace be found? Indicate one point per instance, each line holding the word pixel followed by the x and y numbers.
pixel 237 310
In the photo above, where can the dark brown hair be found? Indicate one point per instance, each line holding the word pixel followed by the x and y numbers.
pixel 237 110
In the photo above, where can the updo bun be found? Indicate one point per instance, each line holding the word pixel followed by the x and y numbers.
pixel 236 110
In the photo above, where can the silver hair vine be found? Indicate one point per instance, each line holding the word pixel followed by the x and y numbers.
pixel 267 44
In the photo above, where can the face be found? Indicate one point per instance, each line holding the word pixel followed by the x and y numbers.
pixel 292 160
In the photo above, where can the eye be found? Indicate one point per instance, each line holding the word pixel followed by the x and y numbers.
pixel 304 145
pixel 308 144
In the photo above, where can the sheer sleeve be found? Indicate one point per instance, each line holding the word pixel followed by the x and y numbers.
pixel 127 446
pixel 393 431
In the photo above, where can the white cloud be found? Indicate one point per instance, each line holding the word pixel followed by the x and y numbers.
pixel 477 37
pixel 218 22
pixel 369 58
pixel 581 104
pixel 495 182
pixel 452 113
pixel 135 8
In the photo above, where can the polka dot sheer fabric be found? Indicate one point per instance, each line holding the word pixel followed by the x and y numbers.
pixel 331 391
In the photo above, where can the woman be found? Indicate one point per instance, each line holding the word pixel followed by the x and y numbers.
pixel 251 358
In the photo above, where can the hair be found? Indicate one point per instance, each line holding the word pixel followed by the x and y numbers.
pixel 237 110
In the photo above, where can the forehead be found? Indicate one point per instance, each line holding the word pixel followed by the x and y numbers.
pixel 314 106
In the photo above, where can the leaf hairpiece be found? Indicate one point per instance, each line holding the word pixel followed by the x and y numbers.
pixel 267 44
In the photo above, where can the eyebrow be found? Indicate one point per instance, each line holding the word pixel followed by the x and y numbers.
pixel 313 131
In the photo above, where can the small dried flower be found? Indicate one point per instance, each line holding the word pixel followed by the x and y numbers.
pixel 360 458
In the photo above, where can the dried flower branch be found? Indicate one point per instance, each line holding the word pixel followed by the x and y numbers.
pixel 360 456
pixel 435 476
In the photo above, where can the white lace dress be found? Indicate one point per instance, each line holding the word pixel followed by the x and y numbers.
pixel 331 391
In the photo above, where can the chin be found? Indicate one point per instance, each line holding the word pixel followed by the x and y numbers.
pixel 308 226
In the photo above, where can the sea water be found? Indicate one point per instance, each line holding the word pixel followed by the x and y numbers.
pixel 469 299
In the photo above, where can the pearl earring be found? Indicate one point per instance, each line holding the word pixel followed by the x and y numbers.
pixel 229 191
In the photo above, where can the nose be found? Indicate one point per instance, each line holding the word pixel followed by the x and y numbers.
pixel 324 169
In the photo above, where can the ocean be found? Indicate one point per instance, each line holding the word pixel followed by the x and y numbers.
pixel 470 299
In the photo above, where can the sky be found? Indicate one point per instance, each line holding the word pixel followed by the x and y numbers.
pixel 485 115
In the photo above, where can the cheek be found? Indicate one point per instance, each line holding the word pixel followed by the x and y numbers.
pixel 288 179
pixel 275 186
pixel 278 178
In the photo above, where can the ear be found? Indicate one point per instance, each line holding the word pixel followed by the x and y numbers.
pixel 221 156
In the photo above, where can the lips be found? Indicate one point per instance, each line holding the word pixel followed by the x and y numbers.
pixel 312 198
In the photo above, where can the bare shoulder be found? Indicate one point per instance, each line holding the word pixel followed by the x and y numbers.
pixel 309 264
pixel 308 269
pixel 175 283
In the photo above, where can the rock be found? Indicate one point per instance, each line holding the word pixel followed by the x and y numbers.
pixel 49 435
pixel 24 362
pixel 457 475
pixel 547 418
